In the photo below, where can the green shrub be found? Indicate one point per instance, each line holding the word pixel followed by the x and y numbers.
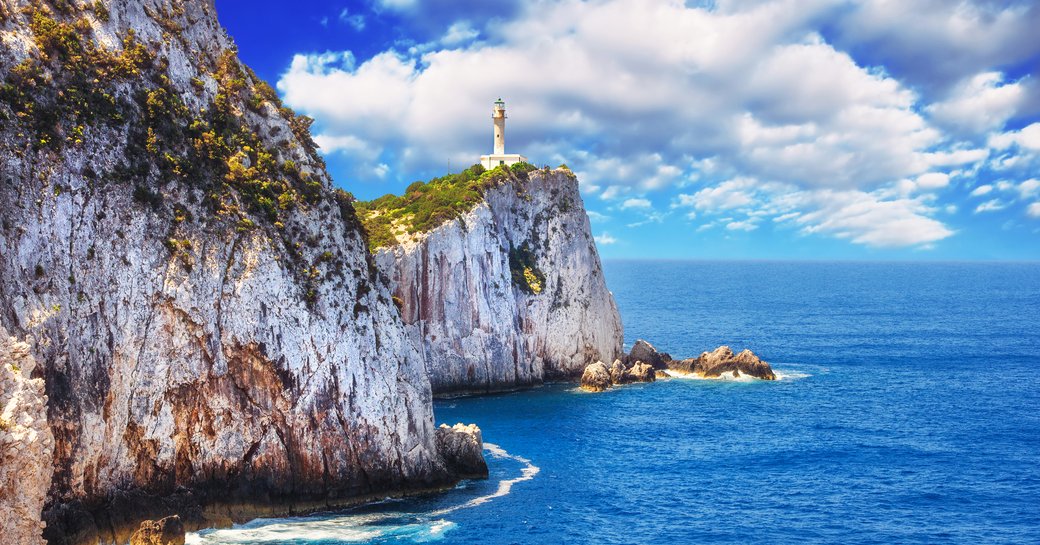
pixel 523 266
pixel 100 11
pixel 426 205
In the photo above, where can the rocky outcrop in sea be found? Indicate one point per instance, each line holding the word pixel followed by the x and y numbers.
pixel 510 293
pixel 722 361
pixel 598 377
pixel 644 363
pixel 210 330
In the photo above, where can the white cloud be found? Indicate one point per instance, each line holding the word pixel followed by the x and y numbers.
pixel 1029 188
pixel 936 44
pixel 1033 210
pixel 357 21
pixel 396 4
pixel 596 217
pixel 669 84
pixel 744 225
pixel 639 203
pixel 1028 138
pixel 639 98
pixel 865 219
pixel 991 205
pixel 727 195
pixel 984 189
pixel 458 33
pixel 980 104
pixel 605 239
pixel 933 180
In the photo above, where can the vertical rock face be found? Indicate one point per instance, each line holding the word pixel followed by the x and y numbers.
pixel 26 445
pixel 202 305
pixel 510 294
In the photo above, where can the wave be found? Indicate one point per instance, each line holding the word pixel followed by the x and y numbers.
pixel 505 486
pixel 790 374
pixel 780 375
pixel 360 527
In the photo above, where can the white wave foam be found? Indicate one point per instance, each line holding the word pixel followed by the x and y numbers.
pixel 790 375
pixel 504 486
pixel 780 375
pixel 356 528
pixel 351 528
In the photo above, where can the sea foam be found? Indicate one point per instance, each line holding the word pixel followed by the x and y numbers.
pixel 504 486
pixel 360 527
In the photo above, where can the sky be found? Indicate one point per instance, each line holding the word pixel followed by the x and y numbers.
pixel 750 129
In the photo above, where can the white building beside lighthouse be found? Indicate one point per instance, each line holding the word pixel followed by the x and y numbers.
pixel 500 157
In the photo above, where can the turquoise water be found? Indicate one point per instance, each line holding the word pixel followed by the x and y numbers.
pixel 908 412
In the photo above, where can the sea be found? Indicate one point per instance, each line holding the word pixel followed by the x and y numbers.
pixel 907 410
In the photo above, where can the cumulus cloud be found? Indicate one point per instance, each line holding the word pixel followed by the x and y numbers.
pixel 934 44
pixel 991 205
pixel 1033 210
pixel 933 180
pixel 980 104
pixel 1029 188
pixel 639 203
pixel 757 107
pixel 605 239
pixel 984 189
pixel 865 219
pixel 742 225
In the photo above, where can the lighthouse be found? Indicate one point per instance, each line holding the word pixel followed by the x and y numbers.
pixel 499 156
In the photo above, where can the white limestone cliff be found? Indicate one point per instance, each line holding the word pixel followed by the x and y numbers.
pixel 478 328
pixel 26 445
pixel 207 348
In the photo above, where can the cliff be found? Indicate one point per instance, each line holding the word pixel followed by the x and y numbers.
pixel 205 314
pixel 26 444
pixel 509 291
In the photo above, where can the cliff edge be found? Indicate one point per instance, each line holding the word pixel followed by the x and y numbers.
pixel 210 330
pixel 506 292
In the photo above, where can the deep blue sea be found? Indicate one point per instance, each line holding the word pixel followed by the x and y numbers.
pixel 908 411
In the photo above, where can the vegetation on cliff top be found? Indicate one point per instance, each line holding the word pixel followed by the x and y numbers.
pixel 61 95
pixel 426 205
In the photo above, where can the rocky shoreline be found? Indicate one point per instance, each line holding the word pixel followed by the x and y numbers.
pixel 644 363
pixel 138 518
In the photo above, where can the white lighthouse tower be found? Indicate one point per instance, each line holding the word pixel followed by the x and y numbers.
pixel 500 157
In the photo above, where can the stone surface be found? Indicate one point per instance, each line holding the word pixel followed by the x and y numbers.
pixel 596 377
pixel 166 531
pixel 618 373
pixel 461 447
pixel 187 352
pixel 646 353
pixel 477 329
pixel 722 360
pixel 26 445
pixel 641 372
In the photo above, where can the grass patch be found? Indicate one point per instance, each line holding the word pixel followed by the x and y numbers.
pixel 425 206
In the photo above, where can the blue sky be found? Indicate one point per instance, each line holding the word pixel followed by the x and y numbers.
pixel 809 129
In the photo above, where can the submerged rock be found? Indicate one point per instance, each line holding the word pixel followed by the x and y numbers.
pixel 167 531
pixel 646 353
pixel 641 372
pixel 461 447
pixel 721 360
pixel 596 377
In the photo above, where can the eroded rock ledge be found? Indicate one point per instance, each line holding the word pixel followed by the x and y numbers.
pixel 462 449
pixel 644 363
